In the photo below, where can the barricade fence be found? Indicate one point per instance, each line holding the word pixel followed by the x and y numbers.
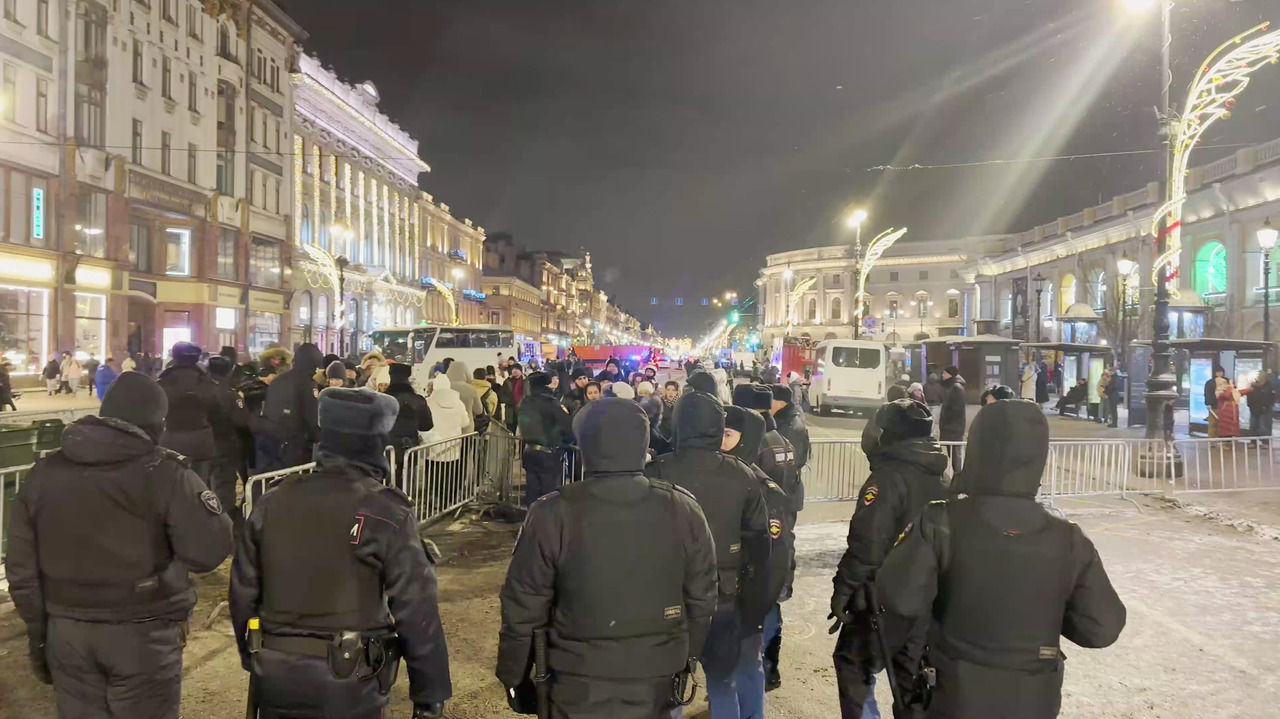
pixel 10 483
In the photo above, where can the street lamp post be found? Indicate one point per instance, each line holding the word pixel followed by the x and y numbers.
pixel 1038 280
pixel 1162 385
pixel 342 262
pixel 855 221
pixel 1267 236
pixel 1126 267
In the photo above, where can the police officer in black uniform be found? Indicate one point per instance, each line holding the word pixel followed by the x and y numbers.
pixel 733 502
pixel 906 474
pixel 230 424
pixel 103 535
pixel 290 410
pixel 777 458
pixel 619 623
pixel 193 409
pixel 790 423
pixel 331 584
pixel 999 579
pixel 546 428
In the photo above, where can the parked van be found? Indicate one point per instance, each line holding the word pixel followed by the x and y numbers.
pixel 851 376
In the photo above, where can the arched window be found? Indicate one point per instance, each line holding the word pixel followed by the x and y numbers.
pixel 892 304
pixel 1098 288
pixel 812 313
pixel 224 40
pixel 1046 300
pixel 1132 285
pixel 322 310
pixel 302 309
pixel 304 227
pixel 1211 269
pixel 923 303
pixel 836 308
pixel 323 229
pixel 1067 295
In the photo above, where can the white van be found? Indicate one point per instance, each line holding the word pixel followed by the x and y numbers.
pixel 426 346
pixel 851 376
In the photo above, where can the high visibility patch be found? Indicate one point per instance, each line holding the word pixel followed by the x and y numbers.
pixel 905 531
pixel 870 495
pixel 734 548
pixel 775 528
pixel 210 502
pixel 672 612
pixel 1048 652
pixel 357 529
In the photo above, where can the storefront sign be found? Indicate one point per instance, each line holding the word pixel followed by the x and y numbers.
pixel 155 191
pixel 181 292
pixel 37 213
pixel 94 277
pixel 266 302
pixel 25 268
pixel 225 296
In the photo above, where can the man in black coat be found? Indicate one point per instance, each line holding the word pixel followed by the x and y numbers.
pixel 906 474
pixel 230 422
pixel 103 535
pixel 331 584
pixel 790 423
pixel 620 623
pixel 951 416
pixel 193 409
pixel 414 415
pixel 575 393
pixel 960 562
pixel 291 407
pixel 733 502
pixel 545 427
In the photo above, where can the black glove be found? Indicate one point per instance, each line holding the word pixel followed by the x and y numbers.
pixel 428 711
pixel 840 609
pixel 39 664
pixel 523 698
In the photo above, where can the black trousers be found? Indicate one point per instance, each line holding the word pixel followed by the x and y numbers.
pixel 857 659
pixel 292 686
pixel 578 697
pixel 116 671
pixel 543 472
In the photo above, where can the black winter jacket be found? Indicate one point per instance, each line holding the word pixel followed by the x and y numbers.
pixel 291 409
pixel 951 419
pixel 414 416
pixel 791 426
pixel 193 410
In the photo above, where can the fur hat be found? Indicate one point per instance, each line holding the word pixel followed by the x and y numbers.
pixel 781 392
pixel 703 382
pixel 357 411
pixel 644 389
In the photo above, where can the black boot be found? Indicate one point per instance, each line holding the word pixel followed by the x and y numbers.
pixel 772 679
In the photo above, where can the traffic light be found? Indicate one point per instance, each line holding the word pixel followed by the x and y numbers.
pixel 733 317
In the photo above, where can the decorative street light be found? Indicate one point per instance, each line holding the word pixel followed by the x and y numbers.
pixel 1038 280
pixel 341 262
pixel 1267 241
pixel 855 221
pixel 1126 267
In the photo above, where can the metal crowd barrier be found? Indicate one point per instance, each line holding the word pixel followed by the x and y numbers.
pixel 442 476
pixel 10 482
pixel 1226 464
pixel 257 484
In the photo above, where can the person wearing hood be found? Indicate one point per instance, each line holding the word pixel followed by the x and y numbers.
pixel 414 416
pixel 906 474
pixel 610 372
pixel 790 424
pixel 744 432
pixel 652 406
pixel 951 416
pixel 230 423
pixel 724 385
pixel 331 584
pixel 732 500
pixel 512 394
pixel 52 373
pixel 101 540
pixel 701 381
pixel 290 411
pixel 276 359
pixel 620 624
pixel 193 409
pixel 105 376
pixel 544 425
pixel 995 393
pixel 488 400
pixel 450 419
pixel 670 393
pixel 959 563
pixel 460 380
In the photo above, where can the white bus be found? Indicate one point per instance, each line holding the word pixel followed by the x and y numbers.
pixel 426 346
pixel 851 376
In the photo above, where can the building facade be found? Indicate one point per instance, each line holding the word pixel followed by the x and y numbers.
pixel 513 302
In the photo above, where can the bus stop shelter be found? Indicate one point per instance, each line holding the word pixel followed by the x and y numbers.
pixel 1193 360
pixel 1079 361
pixel 983 360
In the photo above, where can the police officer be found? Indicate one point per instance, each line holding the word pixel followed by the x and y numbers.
pixel 960 565
pixel 545 427
pixel 193 409
pixel 118 522
pixel 290 410
pixel 230 423
pixel 733 502
pixel 331 584
pixel 777 458
pixel 906 474
pixel 790 423
pixel 620 623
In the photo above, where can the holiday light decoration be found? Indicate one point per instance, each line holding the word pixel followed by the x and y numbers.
pixel 875 249
pixel 1212 96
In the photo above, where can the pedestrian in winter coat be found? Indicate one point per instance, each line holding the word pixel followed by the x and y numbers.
pixel 485 391
pixel 52 372
pixel 414 416
pixel 959 562
pixel 130 363
pixel 610 372
pixel 916 392
pixel 1029 378
pixel 906 474
pixel 193 409
pixel 374 371
pixel 1262 401
pixel 6 385
pixel 72 371
pixel 933 390
pixel 103 378
pixel 670 393
pixel 460 381
pixel 90 370
pixel 951 418
pixel 290 412
pixel 450 419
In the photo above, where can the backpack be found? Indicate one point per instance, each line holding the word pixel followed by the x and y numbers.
pixel 484 419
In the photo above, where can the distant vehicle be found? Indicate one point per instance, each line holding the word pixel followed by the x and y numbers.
pixel 596 356
pixel 850 376
pixel 793 354
pixel 426 346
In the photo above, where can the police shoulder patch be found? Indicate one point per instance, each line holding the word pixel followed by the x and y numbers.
pixel 210 502
pixel 775 528
pixel 869 496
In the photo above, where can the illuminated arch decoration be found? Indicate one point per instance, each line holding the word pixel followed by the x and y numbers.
pixel 1210 276
pixel 1214 88
pixel 875 249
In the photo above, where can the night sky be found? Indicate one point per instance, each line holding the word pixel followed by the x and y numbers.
pixel 680 142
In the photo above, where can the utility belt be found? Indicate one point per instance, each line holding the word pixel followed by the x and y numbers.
pixel 350 654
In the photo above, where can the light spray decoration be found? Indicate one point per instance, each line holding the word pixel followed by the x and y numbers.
pixel 875 249
pixel 1212 96
pixel 796 293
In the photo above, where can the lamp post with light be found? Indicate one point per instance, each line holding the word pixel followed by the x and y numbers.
pixel 1038 280
pixel 1267 236
pixel 341 262
pixel 855 221
pixel 1126 268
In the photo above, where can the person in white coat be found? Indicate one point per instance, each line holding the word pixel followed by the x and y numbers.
pixel 451 418
pixel 1028 388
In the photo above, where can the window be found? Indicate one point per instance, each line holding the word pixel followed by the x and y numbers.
pixel 253 123
pixel 140 246
pixel 304 227
pixel 191 162
pixel 836 308
pixel 9 93
pixel 166 140
pixel 91 236
pixel 93 32
pixel 136 147
pixel 836 280
pixel 194 28
pixel 893 276
pixel 90 125
pixel 323 228
pixel 924 274
pixel 137 62
pixel 259 63
pixel 177 251
pixel 23 314
pixel 166 77
pixel 811 314
pixel 923 303
pixel 91 324
pixel 193 93
pixel 893 308
pixel 11 10
pixel 1067 295
pixel 264 329
pixel 855 357
pixel 322 310
pixel 169 10
pixel 42 18
pixel 264 263
pixel 226 50
pixel 953 308
pixel 228 244
pixel 226 170
pixel 1211 269
pixel 42 105
pixel 274 79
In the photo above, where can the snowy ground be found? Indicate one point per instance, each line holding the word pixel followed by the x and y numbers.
pixel 1203 599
